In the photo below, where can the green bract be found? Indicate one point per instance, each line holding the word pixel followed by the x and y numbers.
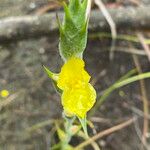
pixel 73 30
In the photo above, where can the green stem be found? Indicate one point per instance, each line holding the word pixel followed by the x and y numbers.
pixel 127 75
pixel 68 125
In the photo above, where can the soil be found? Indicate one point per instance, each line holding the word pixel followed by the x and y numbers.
pixel 34 99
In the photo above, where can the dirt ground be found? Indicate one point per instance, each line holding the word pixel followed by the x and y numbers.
pixel 34 100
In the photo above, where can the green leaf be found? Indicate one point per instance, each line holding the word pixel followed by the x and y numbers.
pixel 51 75
pixel 83 122
pixel 58 90
pixel 54 78
pixel 73 31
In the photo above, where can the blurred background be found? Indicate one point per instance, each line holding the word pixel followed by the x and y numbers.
pixel 29 38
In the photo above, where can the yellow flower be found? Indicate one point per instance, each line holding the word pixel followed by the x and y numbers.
pixel 79 100
pixel 78 95
pixel 73 74
pixel 4 93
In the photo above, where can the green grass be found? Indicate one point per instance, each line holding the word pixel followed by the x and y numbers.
pixel 125 80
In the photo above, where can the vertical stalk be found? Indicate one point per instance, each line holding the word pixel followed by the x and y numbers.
pixel 68 125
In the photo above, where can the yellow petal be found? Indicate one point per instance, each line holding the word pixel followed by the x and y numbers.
pixel 73 74
pixel 79 100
